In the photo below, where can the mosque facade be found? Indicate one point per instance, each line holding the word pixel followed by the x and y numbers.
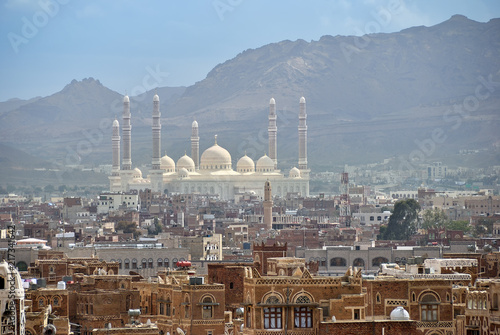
pixel 213 172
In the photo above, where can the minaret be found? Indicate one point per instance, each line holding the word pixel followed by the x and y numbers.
pixel 156 133
pixel 268 206
pixel 127 130
pixel 302 135
pixel 195 145
pixel 156 175
pixel 272 130
pixel 115 139
pixel 114 179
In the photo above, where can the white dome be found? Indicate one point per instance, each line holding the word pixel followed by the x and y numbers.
pixel 399 313
pixel 272 102
pixel 185 162
pixel 294 173
pixel 126 99
pixel 115 123
pixel 156 98
pixel 137 173
pixel 215 158
pixel 265 164
pixel 302 100
pixel 195 124
pixel 167 164
pixel 183 172
pixel 245 164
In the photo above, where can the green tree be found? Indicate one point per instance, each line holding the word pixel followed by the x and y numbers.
pixel 62 188
pixel 403 221
pixel 434 219
pixel 156 228
pixel 128 227
pixel 462 225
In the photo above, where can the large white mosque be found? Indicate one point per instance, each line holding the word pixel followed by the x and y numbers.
pixel 212 173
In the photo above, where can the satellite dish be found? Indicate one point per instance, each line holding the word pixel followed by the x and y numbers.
pixel 334 318
pixel 180 331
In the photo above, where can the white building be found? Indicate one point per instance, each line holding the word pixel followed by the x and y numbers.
pixel 212 173
pixel 11 300
pixel 112 201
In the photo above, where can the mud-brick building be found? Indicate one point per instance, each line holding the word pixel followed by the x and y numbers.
pixel 187 303
pixel 300 302
pixel 99 300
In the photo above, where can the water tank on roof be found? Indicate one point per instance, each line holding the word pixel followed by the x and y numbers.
pixel 61 285
pixel 400 314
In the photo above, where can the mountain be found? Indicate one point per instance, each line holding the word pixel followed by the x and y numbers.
pixel 368 98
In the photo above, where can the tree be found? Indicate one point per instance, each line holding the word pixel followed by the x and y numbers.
pixel 403 221
pixel 434 218
pixel 463 225
pixel 128 227
pixel 156 228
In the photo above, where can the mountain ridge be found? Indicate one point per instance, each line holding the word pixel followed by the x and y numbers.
pixel 408 79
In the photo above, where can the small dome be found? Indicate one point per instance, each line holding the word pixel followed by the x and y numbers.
pixel 265 164
pixel 272 102
pixel 183 172
pixel 115 123
pixel 245 164
pixel 399 314
pixel 137 173
pixel 294 173
pixel 302 100
pixel 126 99
pixel 156 98
pixel 195 124
pixel 215 158
pixel 167 164
pixel 185 162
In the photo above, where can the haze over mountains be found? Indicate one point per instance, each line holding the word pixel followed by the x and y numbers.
pixel 368 98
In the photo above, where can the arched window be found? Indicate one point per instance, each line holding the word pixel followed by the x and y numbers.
pixel 22 266
pixel 134 263
pixel 429 307
pixel 302 315
pixel 378 298
pixel 359 263
pixel 338 261
pixel 127 263
pixel 166 263
pixel 144 263
pixel 55 301
pixel 207 304
pixel 159 262
pixel 186 307
pixel 150 263
pixel 119 264
pixel 272 315
pixel 379 260
pixel 168 306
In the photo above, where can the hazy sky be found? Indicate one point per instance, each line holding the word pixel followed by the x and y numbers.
pixel 131 45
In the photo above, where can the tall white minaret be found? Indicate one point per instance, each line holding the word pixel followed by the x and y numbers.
pixel 127 137
pixel 272 130
pixel 156 174
pixel 195 145
pixel 302 135
pixel 114 179
pixel 115 139
pixel 156 133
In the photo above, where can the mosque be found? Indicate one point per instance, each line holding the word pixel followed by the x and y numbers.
pixel 212 173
